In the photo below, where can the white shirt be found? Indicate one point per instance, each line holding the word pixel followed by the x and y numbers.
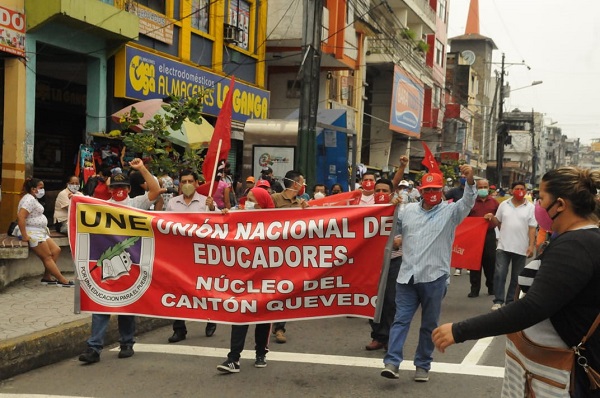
pixel 514 231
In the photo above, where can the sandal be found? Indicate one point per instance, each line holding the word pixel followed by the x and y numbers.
pixel 48 281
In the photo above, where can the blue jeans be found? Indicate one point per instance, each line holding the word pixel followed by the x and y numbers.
pixel 503 260
pixel 408 298
pixel 99 325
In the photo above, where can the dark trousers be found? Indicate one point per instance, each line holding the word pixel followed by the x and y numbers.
pixel 381 331
pixel 238 338
pixel 279 326
pixel 488 264
pixel 179 326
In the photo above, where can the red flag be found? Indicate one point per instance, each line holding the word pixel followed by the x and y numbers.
pixel 429 160
pixel 469 239
pixel 222 133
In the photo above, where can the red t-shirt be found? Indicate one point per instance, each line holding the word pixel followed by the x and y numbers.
pixel 483 207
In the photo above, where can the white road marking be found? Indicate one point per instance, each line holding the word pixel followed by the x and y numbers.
pixel 477 351
pixel 465 368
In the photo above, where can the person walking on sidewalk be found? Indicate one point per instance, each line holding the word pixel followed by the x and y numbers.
pixel 189 201
pixel 516 220
pixel 33 226
pixel 258 198
pixel 119 188
pixel 427 230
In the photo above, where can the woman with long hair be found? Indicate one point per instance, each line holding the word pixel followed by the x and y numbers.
pixel 562 285
pixel 33 225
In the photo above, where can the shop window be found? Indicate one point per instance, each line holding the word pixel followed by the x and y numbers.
pixel 241 18
pixel 200 15
pixel 156 5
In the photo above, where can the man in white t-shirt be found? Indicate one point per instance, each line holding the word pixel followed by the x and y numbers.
pixel 516 220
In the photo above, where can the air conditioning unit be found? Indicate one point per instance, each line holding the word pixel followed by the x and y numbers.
pixel 230 33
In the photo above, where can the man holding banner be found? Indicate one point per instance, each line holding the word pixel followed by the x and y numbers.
pixel 427 230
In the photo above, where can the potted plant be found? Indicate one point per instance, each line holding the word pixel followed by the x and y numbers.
pixel 408 34
pixel 422 46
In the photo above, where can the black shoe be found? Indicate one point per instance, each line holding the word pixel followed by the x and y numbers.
pixel 473 294
pixel 229 366
pixel 177 336
pixel 210 329
pixel 126 351
pixel 89 356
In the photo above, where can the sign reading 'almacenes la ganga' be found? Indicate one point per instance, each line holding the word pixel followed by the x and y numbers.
pixel 142 75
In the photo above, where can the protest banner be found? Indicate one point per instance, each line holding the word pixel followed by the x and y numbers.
pixel 242 267
pixel 467 248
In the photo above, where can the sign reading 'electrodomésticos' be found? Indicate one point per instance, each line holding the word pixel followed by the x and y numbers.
pixel 142 75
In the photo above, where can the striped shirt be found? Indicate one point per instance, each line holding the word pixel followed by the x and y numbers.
pixel 427 237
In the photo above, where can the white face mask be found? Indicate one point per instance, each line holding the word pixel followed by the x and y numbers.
pixel 319 195
pixel 249 205
pixel 188 189
pixel 73 187
pixel 40 193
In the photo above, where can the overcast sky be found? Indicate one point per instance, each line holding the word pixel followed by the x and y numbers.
pixel 560 41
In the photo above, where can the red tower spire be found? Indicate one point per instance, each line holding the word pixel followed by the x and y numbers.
pixel 473 18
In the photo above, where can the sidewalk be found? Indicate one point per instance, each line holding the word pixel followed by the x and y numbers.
pixel 38 326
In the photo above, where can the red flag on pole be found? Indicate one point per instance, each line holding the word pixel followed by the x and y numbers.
pixel 429 160
pixel 222 133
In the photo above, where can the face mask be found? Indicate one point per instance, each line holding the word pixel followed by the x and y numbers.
pixel 40 193
pixel 542 217
pixel 73 187
pixel 119 194
pixel 188 189
pixel 249 205
pixel 368 185
pixel 382 198
pixel 301 191
pixel 319 195
pixel 519 194
pixel 483 193
pixel 432 198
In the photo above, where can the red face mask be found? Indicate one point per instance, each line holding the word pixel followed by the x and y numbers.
pixel 119 194
pixel 368 185
pixel 432 198
pixel 301 191
pixel 382 198
pixel 519 194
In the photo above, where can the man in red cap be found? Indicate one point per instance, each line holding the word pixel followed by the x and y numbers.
pixel 427 230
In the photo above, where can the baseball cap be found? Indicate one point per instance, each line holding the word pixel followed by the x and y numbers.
pixel 492 187
pixel 403 183
pixel 432 180
pixel 263 183
pixel 250 179
pixel 118 180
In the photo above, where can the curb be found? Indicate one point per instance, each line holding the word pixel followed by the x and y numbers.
pixel 22 354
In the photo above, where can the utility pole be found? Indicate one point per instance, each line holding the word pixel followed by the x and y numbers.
pixel 500 130
pixel 309 98
pixel 533 149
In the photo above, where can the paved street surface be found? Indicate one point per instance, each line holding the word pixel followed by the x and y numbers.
pixel 322 358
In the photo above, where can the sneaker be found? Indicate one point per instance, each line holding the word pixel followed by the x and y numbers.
pixel 48 281
pixel 90 356
pixel 229 366
pixel 68 284
pixel 260 362
pixel 280 337
pixel 457 272
pixel 421 375
pixel 496 306
pixel 126 351
pixel 390 371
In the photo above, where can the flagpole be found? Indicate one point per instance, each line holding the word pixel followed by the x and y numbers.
pixel 214 173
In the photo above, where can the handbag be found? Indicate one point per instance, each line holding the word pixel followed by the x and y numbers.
pixel 11 228
pixel 533 370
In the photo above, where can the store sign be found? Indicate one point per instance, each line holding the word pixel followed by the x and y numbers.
pixel 12 32
pixel 152 24
pixel 141 75
pixel 406 113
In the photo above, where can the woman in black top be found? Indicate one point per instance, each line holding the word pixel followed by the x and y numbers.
pixel 564 298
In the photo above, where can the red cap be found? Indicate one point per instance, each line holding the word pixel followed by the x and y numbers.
pixel 432 180
pixel 263 183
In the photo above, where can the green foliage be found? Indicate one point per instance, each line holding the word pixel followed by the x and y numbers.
pixel 422 46
pixel 408 34
pixel 153 145
pixel 450 170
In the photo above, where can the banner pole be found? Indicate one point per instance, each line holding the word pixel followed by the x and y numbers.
pixel 387 256
pixel 214 173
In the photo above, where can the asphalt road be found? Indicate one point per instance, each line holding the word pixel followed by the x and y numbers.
pixel 322 358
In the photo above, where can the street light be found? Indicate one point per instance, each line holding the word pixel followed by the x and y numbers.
pixel 510 90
